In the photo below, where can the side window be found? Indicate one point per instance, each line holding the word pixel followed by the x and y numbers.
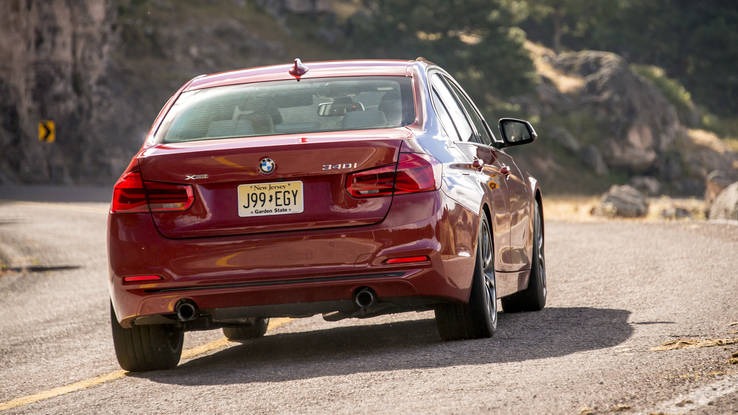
pixel 446 121
pixel 454 109
pixel 476 118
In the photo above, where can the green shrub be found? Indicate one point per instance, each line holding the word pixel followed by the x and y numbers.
pixel 674 91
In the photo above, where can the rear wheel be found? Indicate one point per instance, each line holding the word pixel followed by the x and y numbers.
pixel 478 317
pixel 532 298
pixel 148 347
pixel 251 330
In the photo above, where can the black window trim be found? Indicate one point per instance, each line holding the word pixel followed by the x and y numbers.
pixel 442 78
pixel 437 101
pixel 457 90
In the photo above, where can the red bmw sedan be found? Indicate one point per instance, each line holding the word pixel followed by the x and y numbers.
pixel 346 188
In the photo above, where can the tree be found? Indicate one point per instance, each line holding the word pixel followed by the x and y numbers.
pixel 695 42
pixel 475 40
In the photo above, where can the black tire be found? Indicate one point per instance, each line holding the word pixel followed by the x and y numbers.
pixel 532 298
pixel 255 329
pixel 478 317
pixel 149 347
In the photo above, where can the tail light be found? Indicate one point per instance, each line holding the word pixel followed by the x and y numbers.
pixel 132 194
pixel 413 173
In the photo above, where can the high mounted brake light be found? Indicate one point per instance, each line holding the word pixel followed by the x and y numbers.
pixel 298 69
pixel 132 195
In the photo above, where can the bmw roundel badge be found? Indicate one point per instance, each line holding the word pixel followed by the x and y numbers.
pixel 266 165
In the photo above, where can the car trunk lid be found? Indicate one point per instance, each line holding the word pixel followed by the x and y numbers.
pixel 271 184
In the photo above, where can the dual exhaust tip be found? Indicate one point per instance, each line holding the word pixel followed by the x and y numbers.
pixel 187 310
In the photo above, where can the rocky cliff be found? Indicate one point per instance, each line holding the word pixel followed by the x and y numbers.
pixel 53 55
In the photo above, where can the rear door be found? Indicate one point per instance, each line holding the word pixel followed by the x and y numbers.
pixel 504 170
pixel 483 161
pixel 271 184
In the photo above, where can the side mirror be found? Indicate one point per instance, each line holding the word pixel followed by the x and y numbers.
pixel 516 132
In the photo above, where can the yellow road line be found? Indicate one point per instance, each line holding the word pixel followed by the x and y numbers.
pixel 62 390
pixel 118 374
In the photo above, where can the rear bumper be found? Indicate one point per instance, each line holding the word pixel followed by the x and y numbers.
pixel 292 273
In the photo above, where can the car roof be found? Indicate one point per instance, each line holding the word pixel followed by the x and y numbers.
pixel 321 69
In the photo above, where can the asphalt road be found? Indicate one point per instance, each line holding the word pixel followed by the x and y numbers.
pixel 621 294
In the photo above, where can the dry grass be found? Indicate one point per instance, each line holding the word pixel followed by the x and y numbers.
pixel 344 9
pixel 709 140
pixel 732 143
pixel 656 206
pixel 564 83
pixel 678 344
pixel 570 208
pixel 579 208
pixel 703 139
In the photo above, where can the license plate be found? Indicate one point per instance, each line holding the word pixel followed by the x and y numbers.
pixel 265 199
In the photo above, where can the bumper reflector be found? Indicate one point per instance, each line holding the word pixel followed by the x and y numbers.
pixel 408 259
pixel 141 278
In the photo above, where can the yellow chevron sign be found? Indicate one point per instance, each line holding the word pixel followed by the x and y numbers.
pixel 46 131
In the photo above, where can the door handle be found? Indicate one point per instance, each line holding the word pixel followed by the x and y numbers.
pixel 477 164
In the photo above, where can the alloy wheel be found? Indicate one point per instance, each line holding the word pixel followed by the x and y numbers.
pixel 540 257
pixel 488 270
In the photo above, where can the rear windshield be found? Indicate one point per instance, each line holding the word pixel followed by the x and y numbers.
pixel 289 107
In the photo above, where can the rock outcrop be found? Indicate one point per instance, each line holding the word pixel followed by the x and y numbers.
pixel 715 182
pixel 646 185
pixel 622 201
pixel 636 123
pixel 619 122
pixel 725 205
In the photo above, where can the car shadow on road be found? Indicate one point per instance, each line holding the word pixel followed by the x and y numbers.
pixel 404 345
